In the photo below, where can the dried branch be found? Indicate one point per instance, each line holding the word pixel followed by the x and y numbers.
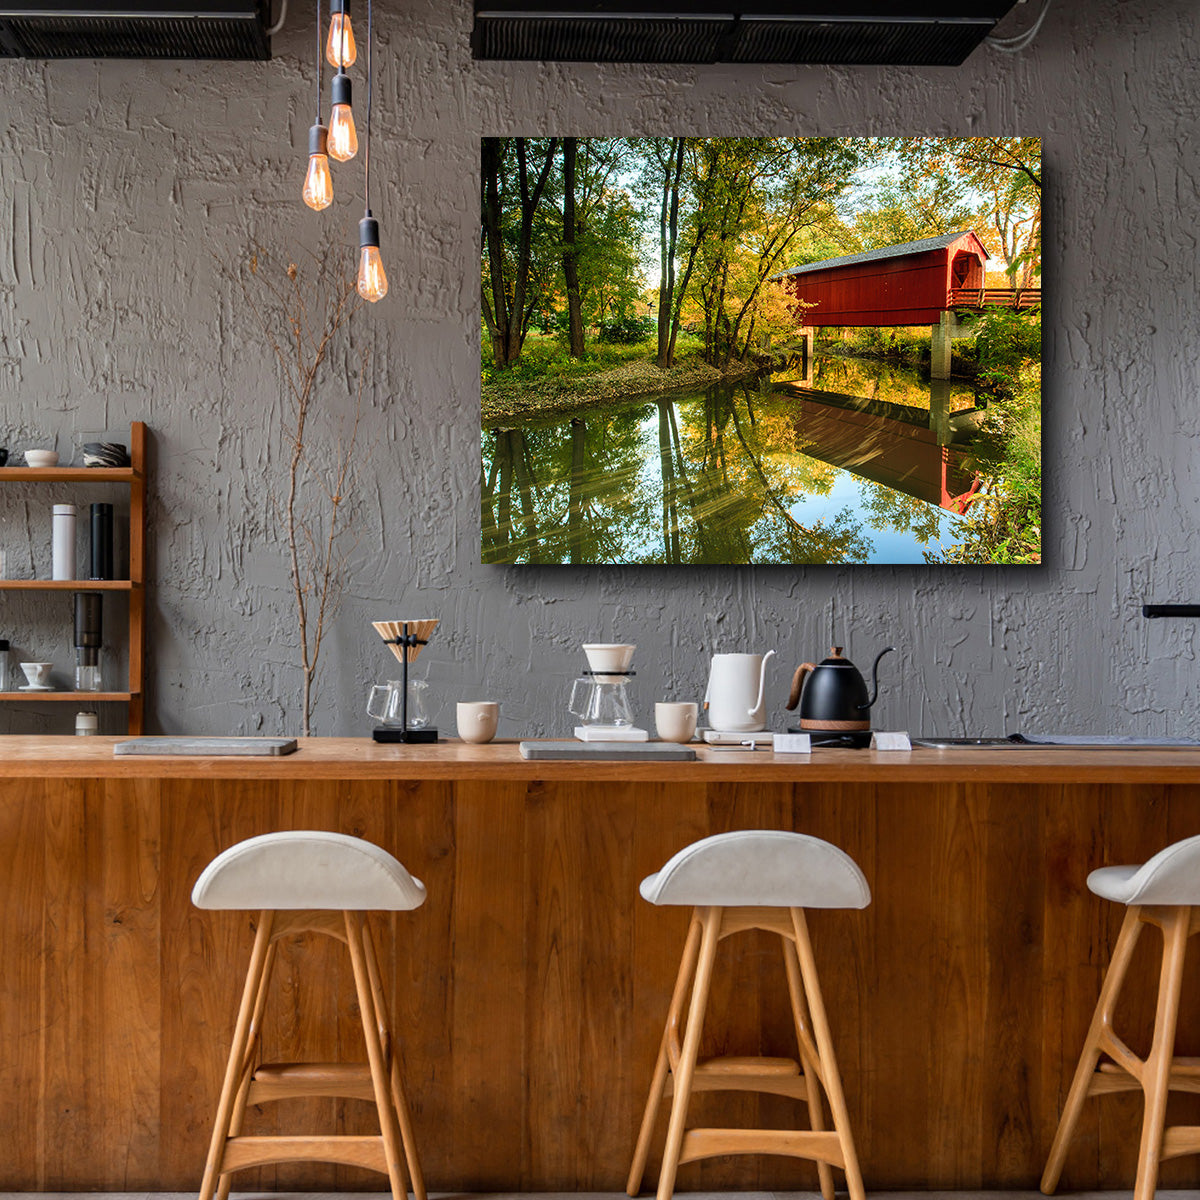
pixel 312 308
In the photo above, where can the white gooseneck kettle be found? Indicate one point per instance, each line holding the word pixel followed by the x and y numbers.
pixel 734 698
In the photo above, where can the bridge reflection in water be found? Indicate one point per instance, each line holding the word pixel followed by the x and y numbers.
pixel 916 451
pixel 770 472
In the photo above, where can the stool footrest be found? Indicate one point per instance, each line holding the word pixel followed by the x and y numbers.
pixel 795 1143
pixel 287 1081
pixel 1179 1140
pixel 732 1073
pixel 351 1151
pixel 1110 1078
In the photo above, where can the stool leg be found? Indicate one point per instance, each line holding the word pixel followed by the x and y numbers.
pixel 383 1099
pixel 393 1059
pixel 691 1046
pixel 239 1105
pixel 687 966
pixel 1110 991
pixel 1156 1076
pixel 829 1069
pixel 816 1117
pixel 237 1054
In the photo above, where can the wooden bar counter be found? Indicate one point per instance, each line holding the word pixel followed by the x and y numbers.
pixel 530 989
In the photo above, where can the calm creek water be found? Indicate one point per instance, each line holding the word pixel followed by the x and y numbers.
pixel 861 463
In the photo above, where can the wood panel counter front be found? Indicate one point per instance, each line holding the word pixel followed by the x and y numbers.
pixel 530 989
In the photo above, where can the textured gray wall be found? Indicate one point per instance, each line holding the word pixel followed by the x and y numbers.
pixel 119 181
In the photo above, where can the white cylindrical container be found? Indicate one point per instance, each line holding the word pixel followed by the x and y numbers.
pixel 63 545
pixel 86 724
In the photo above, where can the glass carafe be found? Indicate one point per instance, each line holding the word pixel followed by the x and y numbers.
pixel 384 703
pixel 597 702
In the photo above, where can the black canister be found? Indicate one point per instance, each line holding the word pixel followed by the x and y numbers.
pixel 89 620
pixel 102 542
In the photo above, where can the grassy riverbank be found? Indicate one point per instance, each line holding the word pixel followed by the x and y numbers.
pixel 1004 524
pixel 545 384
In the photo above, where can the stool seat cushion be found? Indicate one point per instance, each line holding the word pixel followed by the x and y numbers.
pixel 301 869
pixel 760 867
pixel 1171 877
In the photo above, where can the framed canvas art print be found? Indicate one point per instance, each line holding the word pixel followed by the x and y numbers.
pixel 760 350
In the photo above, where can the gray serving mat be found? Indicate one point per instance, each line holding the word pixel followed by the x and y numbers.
pixel 207 747
pixel 610 751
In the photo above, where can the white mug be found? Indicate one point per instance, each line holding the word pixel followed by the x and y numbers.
pixel 477 720
pixel 675 721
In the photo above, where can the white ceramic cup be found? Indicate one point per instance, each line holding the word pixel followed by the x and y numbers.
pixel 38 674
pixel 675 720
pixel 477 720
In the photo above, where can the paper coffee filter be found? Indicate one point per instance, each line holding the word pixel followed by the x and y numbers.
pixel 422 629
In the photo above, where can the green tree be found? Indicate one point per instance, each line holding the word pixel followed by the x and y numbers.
pixel 513 178
pixel 753 197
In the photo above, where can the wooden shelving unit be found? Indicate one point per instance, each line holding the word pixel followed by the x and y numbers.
pixel 67 585
pixel 134 476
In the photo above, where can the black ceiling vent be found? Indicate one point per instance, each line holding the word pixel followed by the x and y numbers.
pixel 229 29
pixel 916 33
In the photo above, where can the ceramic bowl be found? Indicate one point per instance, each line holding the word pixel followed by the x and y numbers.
pixel 41 458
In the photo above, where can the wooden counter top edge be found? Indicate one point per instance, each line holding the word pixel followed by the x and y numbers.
pixel 26 757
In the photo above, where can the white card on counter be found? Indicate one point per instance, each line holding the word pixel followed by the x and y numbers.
pixel 890 741
pixel 793 743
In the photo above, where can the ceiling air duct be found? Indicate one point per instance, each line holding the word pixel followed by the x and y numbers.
pixel 230 29
pixel 929 33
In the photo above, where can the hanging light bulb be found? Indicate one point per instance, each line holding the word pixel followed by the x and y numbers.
pixel 340 50
pixel 343 137
pixel 318 183
pixel 372 279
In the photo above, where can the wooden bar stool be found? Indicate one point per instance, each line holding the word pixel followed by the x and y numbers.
pixel 1164 892
pixel 751 879
pixel 311 882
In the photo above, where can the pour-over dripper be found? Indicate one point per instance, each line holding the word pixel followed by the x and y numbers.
pixel 405 639
pixel 609 661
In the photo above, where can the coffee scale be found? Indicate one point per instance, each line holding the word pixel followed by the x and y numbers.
pixel 600 697
pixel 406 639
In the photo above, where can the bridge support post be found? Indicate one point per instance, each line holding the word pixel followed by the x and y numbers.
pixel 808 333
pixel 943 333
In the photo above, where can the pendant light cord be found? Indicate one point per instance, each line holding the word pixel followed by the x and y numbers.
pixel 318 62
pixel 370 82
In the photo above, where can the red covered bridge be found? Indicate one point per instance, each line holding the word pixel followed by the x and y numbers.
pixel 914 283
pixel 909 284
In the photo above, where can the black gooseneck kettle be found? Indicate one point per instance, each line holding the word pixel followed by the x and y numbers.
pixel 833 694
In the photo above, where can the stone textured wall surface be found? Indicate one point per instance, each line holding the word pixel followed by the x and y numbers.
pixel 126 185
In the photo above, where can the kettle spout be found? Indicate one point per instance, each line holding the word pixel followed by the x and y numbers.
pixel 762 679
pixel 875 678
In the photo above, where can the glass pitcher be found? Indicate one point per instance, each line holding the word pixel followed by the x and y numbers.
pixel 596 702
pixel 384 703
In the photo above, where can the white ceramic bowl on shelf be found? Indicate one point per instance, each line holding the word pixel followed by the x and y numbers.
pixel 41 458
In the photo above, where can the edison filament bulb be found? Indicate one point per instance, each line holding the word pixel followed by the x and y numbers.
pixel 372 279
pixel 318 183
pixel 343 137
pixel 340 50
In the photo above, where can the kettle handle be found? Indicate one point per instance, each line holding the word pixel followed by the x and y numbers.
pixel 797 683
pixel 875 678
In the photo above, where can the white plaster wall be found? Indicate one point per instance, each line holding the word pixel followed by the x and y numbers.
pixel 119 181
